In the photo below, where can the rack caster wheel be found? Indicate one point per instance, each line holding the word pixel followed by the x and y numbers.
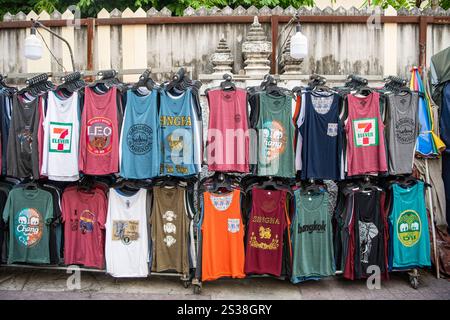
pixel 197 289
pixel 414 281
pixel 186 284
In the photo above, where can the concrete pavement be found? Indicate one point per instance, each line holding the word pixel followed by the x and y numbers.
pixel 19 284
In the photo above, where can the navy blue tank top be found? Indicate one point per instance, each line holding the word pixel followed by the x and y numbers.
pixel 321 132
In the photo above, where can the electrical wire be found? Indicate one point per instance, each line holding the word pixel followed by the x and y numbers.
pixel 48 48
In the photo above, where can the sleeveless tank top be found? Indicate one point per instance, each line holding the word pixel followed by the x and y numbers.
pixel 410 238
pixel 369 232
pixel 126 250
pixel 366 151
pixel 61 138
pixel 177 134
pixel 228 139
pixel 264 247
pixel 139 140
pixel 275 136
pixel 99 140
pixel 402 129
pixel 312 237
pixel 321 132
pixel 170 230
pixel 222 236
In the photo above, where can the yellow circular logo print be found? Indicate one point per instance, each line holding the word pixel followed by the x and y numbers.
pixel 409 228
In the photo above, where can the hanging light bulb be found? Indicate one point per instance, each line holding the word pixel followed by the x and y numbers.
pixel 299 44
pixel 33 46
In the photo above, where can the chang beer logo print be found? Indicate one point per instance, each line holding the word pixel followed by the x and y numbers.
pixel 365 132
pixel 99 135
pixel 409 228
pixel 274 140
pixel 29 227
pixel 139 139
pixel 60 137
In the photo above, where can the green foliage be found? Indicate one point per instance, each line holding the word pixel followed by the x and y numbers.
pixel 90 8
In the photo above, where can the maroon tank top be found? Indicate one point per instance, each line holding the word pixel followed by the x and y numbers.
pixel 99 137
pixel 366 152
pixel 264 247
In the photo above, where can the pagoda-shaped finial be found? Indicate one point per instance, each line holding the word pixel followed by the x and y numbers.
pixel 222 59
pixel 256 50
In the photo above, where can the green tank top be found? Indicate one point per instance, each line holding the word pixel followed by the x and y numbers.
pixel 312 237
pixel 275 136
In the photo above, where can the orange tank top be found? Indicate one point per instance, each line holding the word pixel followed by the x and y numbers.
pixel 223 236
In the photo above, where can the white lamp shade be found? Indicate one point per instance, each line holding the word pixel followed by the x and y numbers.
pixel 33 47
pixel 299 46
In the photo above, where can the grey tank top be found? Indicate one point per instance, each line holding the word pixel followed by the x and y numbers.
pixel 402 127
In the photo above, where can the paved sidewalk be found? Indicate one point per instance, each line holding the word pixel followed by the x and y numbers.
pixel 19 284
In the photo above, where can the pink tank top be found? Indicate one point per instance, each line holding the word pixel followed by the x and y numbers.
pixel 366 152
pixel 264 247
pixel 99 138
pixel 228 139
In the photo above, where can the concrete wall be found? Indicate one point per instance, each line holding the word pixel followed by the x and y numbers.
pixel 335 49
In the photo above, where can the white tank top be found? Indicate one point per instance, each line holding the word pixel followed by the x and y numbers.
pixel 127 252
pixel 61 137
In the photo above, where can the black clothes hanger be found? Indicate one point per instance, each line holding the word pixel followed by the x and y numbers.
pixel 220 182
pixel 145 81
pixel 9 90
pixel 108 79
pixel 71 83
pixel 227 84
pixel 37 86
pixel 180 82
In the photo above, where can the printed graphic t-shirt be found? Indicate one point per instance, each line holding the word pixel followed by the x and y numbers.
pixel 29 213
pixel 84 217
pixel 99 137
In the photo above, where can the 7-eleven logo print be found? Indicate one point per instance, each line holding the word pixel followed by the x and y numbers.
pixel 60 137
pixel 365 132
pixel 62 134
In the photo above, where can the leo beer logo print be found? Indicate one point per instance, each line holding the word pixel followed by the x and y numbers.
pixel 99 135
pixel 60 137
pixel 29 227
pixel 365 132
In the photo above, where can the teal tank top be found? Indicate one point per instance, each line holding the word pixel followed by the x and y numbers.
pixel 139 153
pixel 312 237
pixel 410 238
pixel 177 134
pixel 275 136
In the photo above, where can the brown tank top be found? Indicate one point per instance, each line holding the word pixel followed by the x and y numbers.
pixel 170 230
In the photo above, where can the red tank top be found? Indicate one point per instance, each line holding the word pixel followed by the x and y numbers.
pixel 228 139
pixel 366 152
pixel 264 247
pixel 99 137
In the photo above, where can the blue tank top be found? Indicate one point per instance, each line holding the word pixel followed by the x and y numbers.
pixel 410 238
pixel 140 153
pixel 321 132
pixel 177 134
pixel 445 117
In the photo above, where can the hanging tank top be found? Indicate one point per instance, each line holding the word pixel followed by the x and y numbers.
pixel 170 230
pixel 177 134
pixel 22 153
pixel 264 247
pixel 366 151
pixel 139 149
pixel 228 139
pixel 312 237
pixel 99 140
pixel 126 250
pixel 275 136
pixel 410 239
pixel 402 129
pixel 61 137
pixel 369 233
pixel 222 236
pixel 321 132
